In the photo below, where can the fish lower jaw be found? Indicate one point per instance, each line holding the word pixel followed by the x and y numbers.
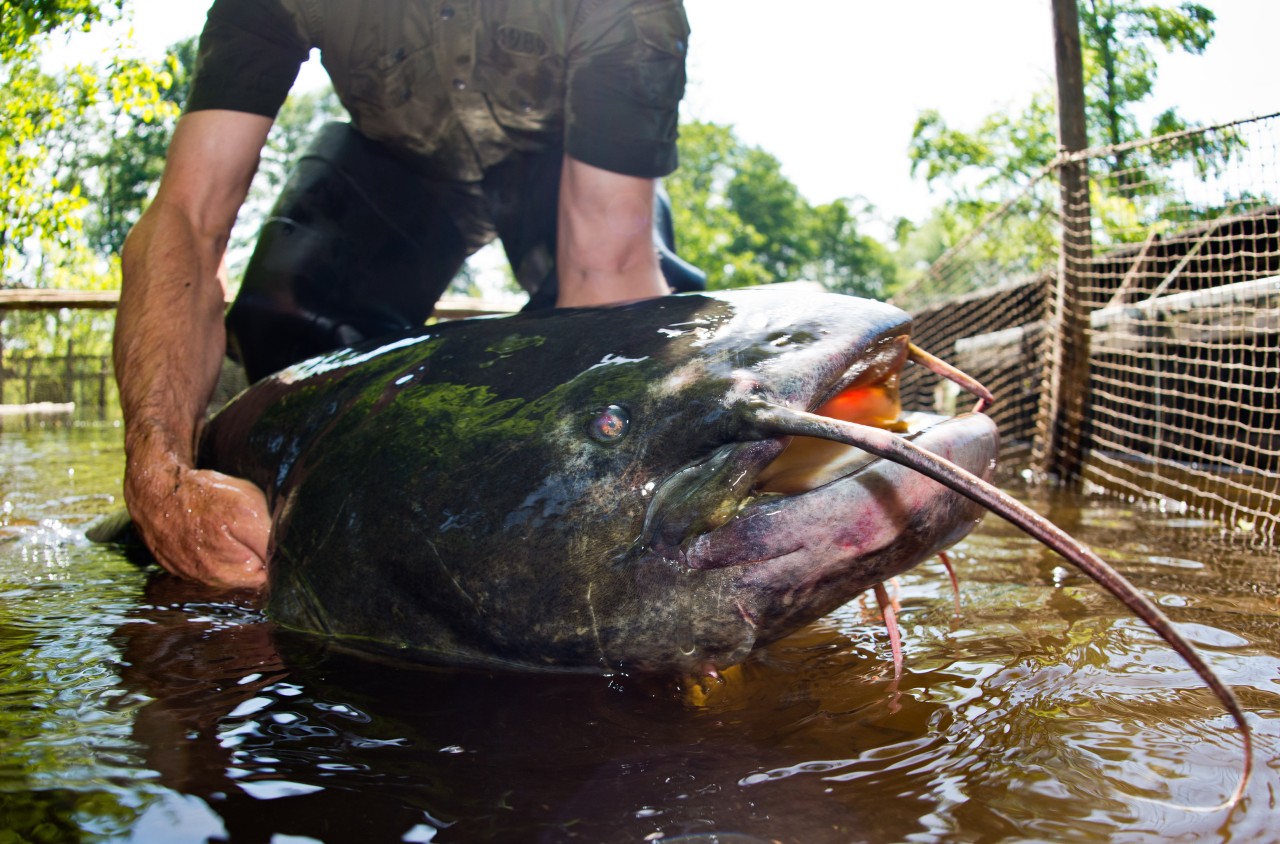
pixel 853 518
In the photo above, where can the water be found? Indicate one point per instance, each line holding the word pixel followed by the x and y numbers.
pixel 133 708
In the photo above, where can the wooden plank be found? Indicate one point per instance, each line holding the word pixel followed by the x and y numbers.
pixel 1258 293
pixel 461 307
pixel 41 408
pixel 42 299
pixel 1244 313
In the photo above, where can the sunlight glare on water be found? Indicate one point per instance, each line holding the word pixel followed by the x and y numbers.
pixel 134 707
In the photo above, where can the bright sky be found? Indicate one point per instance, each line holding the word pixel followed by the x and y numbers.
pixel 833 87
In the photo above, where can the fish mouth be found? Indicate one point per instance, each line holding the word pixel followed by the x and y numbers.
pixel 833 504
pixel 794 476
pixel 867 395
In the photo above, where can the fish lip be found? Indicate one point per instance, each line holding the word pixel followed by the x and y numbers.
pixel 701 554
pixel 875 365
pixel 668 534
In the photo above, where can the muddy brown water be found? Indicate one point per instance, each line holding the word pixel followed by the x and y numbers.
pixel 134 708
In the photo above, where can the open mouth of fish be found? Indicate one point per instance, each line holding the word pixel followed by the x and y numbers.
pixel 866 398
pixel 815 483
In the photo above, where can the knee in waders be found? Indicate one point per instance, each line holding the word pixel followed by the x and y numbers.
pixel 352 250
pixel 268 326
pixel 682 276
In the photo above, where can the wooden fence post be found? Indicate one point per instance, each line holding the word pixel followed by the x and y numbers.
pixel 102 384
pixel 69 375
pixel 1064 393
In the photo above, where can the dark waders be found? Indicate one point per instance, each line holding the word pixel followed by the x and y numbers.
pixel 362 242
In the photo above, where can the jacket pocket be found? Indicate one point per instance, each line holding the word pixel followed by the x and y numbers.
pixel 662 43
pixel 398 97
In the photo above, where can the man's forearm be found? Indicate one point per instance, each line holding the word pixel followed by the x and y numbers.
pixel 169 336
pixel 605 251
pixel 168 350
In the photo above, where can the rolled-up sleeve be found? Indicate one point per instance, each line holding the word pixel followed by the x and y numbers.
pixel 625 81
pixel 248 59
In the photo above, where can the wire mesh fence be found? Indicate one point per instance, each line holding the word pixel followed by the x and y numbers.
pixel 1177 290
pixel 84 381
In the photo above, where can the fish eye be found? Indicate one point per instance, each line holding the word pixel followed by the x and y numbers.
pixel 609 424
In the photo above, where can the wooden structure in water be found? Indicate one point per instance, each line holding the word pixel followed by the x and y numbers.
pixel 41 299
pixel 74 379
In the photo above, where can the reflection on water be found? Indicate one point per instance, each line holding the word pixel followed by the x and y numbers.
pixel 133 707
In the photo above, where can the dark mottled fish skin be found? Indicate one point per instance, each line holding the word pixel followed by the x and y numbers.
pixel 438 495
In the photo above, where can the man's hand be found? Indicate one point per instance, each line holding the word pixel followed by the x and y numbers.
pixel 202 525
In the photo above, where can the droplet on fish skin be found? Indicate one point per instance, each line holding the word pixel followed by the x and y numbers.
pixel 609 425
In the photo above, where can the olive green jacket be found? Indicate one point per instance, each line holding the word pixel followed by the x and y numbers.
pixel 463 84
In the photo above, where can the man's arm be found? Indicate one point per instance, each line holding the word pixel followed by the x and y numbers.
pixel 169 343
pixel 605 251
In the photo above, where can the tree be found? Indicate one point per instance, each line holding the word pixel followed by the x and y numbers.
pixel 54 151
pixel 125 152
pixel 33 107
pixel 709 232
pixel 22 22
pixel 740 219
pixel 1122 67
pixel 48 128
pixel 778 220
pixel 1002 159
pixel 846 261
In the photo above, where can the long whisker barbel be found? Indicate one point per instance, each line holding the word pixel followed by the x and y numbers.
pixel 771 420
pixel 945 370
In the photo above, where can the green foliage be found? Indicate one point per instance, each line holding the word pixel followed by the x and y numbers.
pixel 66 138
pixel 80 148
pixel 34 107
pixel 22 22
pixel 1000 161
pixel 50 333
pixel 1005 153
pixel 846 261
pixel 709 232
pixel 776 216
pixel 39 346
pixel 740 219
pixel 124 147
pixel 1120 69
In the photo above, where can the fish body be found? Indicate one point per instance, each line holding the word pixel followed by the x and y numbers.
pixel 593 489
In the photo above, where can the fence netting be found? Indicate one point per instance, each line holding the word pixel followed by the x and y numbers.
pixel 84 381
pixel 1177 292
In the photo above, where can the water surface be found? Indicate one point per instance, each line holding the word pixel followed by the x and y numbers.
pixel 136 708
